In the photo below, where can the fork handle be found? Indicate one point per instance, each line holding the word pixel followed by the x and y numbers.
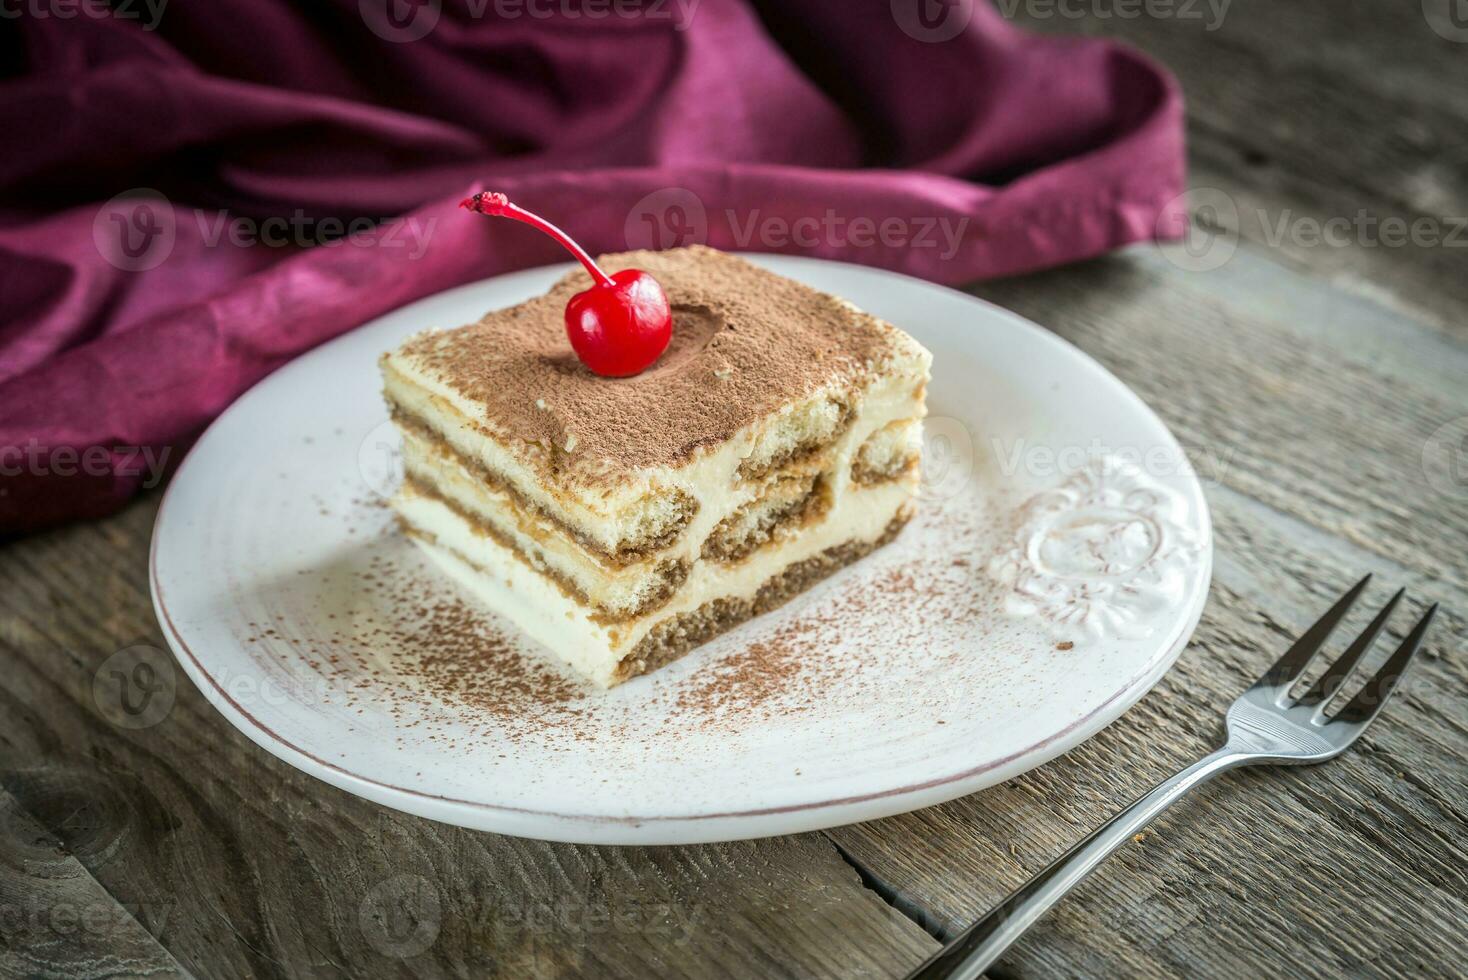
pixel 978 946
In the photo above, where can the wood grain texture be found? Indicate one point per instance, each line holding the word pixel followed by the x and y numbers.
pixel 1351 868
pixel 56 920
pixel 1306 411
pixel 221 860
pixel 1318 110
pixel 1321 389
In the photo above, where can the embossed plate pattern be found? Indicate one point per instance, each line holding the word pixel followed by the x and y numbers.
pixel 1058 563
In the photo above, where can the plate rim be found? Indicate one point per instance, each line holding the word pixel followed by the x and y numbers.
pixel 601 828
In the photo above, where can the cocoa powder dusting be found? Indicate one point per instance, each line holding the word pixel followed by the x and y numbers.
pixel 405 641
pixel 745 342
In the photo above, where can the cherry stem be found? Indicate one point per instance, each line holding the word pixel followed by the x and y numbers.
pixel 497 205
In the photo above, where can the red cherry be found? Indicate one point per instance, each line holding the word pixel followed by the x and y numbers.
pixel 621 329
pixel 622 324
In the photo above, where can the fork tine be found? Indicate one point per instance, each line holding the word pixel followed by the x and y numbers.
pixel 1335 678
pixel 1287 669
pixel 1368 701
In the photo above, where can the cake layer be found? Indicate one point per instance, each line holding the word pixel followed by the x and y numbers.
pixel 789 501
pixel 781 504
pixel 761 372
pixel 614 589
pixel 714 596
pixel 622 521
pixel 638 527
pixel 678 634
pixel 890 452
pixel 736 516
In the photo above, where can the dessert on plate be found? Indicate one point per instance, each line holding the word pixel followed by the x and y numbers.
pixel 622 521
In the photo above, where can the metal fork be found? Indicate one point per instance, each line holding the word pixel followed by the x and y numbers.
pixel 1266 726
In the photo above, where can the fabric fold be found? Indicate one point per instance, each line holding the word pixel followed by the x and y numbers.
pixel 207 197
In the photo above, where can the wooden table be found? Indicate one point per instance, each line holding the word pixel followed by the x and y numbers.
pixel 1323 390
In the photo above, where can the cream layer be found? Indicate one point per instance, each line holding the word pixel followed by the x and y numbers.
pixel 572 631
pixel 673 505
pixel 616 589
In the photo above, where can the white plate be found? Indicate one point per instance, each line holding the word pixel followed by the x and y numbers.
pixel 1058 564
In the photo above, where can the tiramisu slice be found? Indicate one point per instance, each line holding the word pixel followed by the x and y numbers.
pixel 621 522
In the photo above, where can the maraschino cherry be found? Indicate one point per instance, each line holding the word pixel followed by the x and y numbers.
pixel 622 324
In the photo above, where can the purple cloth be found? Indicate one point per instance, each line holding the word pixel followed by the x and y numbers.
pixel 925 136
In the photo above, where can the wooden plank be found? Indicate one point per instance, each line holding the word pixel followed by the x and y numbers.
pixel 1297 872
pixel 1321 406
pixel 55 919
pixel 1318 111
pixel 270 872
pixel 1301 403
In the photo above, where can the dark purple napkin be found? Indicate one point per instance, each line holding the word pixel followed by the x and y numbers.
pixel 170 167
